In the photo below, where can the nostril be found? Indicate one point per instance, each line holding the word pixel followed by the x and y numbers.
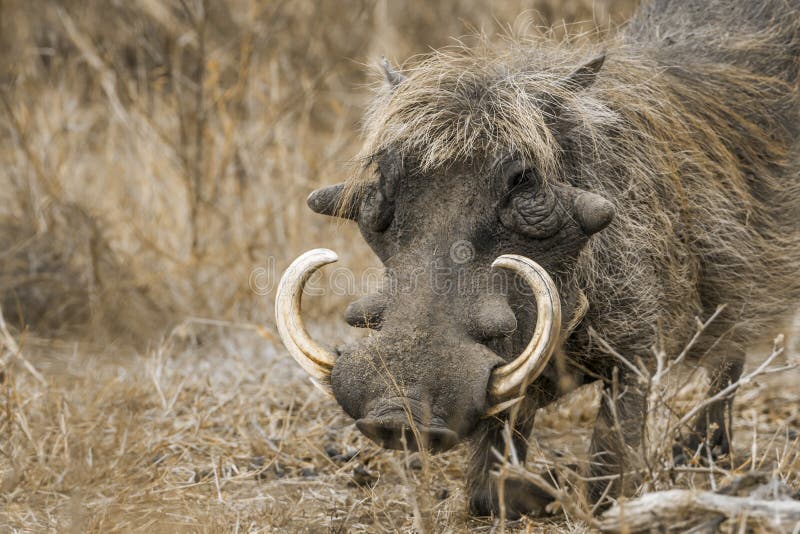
pixel 397 435
pixel 387 434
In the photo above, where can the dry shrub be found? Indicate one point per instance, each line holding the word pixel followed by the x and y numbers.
pixel 152 155
pixel 64 279
pixel 756 486
pixel 189 133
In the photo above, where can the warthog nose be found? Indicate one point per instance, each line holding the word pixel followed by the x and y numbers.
pixel 395 433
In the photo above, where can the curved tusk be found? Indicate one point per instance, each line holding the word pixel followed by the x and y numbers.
pixel 313 358
pixel 502 406
pixel 512 379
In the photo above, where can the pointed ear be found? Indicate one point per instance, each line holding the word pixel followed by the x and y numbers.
pixel 581 78
pixel 585 75
pixel 392 76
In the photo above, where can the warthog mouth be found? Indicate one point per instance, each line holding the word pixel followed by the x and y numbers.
pixel 507 383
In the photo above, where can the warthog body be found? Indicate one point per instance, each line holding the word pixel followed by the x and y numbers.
pixel 654 178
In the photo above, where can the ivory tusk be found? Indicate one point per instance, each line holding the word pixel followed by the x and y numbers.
pixel 315 359
pixel 512 379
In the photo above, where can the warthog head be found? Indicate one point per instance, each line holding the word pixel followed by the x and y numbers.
pixel 468 231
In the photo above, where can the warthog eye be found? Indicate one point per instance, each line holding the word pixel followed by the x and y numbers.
pixel 377 206
pixel 521 178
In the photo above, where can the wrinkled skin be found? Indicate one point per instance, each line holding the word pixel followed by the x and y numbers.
pixel 444 320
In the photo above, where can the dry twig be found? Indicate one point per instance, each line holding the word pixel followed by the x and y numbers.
pixel 665 509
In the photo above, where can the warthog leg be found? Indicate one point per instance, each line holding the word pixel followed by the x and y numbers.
pixel 614 458
pixel 520 496
pixel 714 424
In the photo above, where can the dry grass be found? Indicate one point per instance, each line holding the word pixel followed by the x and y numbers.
pixel 213 430
pixel 187 134
pixel 152 156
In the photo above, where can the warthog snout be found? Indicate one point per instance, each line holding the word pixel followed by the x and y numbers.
pixel 396 433
pixel 406 424
pixel 422 383
pixel 413 389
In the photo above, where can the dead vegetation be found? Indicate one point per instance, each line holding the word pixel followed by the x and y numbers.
pixel 224 435
pixel 755 488
pixel 153 156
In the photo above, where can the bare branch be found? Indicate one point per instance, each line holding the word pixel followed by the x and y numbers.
pixel 762 369
pixel 14 350
pixel 702 328
pixel 610 350
pixel 665 508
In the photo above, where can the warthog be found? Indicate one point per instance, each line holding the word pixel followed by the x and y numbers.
pixel 531 200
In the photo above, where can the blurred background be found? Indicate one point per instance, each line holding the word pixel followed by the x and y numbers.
pixel 155 158
pixel 154 154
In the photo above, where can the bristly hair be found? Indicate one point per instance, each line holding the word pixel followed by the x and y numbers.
pixel 462 104
pixel 691 128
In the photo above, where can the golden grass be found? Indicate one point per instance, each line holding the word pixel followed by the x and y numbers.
pixel 213 430
pixel 151 159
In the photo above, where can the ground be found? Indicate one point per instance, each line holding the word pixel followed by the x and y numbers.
pixel 217 430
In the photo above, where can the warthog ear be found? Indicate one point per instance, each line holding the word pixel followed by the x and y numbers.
pixel 585 75
pixel 592 212
pixel 392 76
pixel 581 78
pixel 326 201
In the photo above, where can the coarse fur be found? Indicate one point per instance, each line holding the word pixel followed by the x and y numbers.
pixel 690 129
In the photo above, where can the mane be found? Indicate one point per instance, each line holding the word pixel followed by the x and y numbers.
pixel 692 132
pixel 463 104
